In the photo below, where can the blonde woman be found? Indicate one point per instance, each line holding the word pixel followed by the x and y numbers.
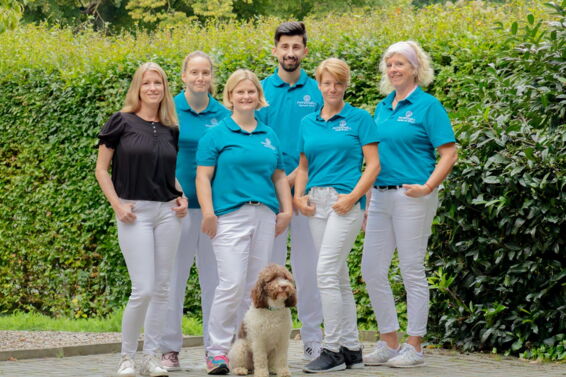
pixel 198 112
pixel 412 126
pixel 245 200
pixel 140 143
pixel 330 188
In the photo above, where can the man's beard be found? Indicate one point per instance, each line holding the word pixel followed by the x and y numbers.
pixel 290 65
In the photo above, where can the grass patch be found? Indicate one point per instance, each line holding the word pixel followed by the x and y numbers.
pixel 110 323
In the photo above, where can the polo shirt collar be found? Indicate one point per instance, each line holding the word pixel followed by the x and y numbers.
pixel 184 105
pixel 411 98
pixel 346 110
pixel 303 78
pixel 233 126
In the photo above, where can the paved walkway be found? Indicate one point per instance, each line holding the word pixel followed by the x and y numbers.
pixel 440 363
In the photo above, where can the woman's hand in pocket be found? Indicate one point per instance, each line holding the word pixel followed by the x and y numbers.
pixel 303 204
pixel 181 208
pixel 209 225
pixel 125 212
pixel 344 204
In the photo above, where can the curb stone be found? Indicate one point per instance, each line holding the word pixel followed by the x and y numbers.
pixel 82 350
pixel 104 348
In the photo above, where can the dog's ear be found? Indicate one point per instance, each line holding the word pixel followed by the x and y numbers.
pixel 287 275
pixel 259 295
pixel 291 300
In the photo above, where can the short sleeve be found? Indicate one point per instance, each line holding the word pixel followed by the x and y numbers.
pixel 367 129
pixel 261 115
pixel 301 138
pixel 207 152
pixel 280 158
pixel 175 134
pixel 112 131
pixel 438 126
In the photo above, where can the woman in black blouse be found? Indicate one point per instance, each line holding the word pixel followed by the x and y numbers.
pixel 140 142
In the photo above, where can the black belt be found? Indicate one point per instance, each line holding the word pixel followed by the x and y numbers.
pixel 252 203
pixel 393 187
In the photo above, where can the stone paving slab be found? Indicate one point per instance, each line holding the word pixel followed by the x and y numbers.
pixel 440 363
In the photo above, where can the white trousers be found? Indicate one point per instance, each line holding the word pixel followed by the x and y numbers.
pixel 303 263
pixel 149 245
pixel 396 220
pixel 193 243
pixel 242 246
pixel 334 235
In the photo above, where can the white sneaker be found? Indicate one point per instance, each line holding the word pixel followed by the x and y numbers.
pixel 380 355
pixel 312 351
pixel 408 358
pixel 127 367
pixel 152 367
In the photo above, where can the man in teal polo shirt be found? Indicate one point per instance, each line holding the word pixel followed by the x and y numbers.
pixel 291 95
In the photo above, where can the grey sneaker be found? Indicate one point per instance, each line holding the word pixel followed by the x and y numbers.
pixel 311 351
pixel 151 367
pixel 170 361
pixel 408 358
pixel 380 355
pixel 127 367
pixel 328 361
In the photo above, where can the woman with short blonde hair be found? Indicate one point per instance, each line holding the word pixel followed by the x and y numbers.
pixel 245 200
pixel 330 189
pixel 236 78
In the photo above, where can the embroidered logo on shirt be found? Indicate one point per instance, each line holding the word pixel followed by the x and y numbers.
pixel 213 123
pixel 408 118
pixel 306 102
pixel 267 144
pixel 342 126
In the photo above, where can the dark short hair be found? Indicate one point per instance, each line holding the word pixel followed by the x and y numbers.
pixel 291 28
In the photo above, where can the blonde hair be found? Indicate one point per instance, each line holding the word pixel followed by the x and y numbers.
pixel 132 104
pixel 237 77
pixel 200 54
pixel 338 68
pixel 424 74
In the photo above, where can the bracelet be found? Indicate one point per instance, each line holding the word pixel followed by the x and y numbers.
pixel 430 188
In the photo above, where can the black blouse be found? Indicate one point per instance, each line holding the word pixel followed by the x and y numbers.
pixel 145 153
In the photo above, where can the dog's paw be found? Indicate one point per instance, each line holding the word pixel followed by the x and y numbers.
pixel 241 371
pixel 261 373
pixel 283 373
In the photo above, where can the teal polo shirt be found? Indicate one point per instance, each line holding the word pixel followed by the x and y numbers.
pixel 408 137
pixel 192 126
pixel 288 105
pixel 333 148
pixel 244 164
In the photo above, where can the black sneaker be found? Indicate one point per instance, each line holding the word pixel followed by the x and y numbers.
pixel 328 361
pixel 353 359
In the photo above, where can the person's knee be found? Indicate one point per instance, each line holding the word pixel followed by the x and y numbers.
pixel 375 274
pixel 413 273
pixel 142 295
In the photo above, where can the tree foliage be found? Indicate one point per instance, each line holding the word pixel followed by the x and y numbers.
pixel 10 13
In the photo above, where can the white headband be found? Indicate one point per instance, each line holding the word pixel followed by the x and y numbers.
pixel 406 50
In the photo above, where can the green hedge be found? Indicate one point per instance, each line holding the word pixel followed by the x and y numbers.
pixel 58 248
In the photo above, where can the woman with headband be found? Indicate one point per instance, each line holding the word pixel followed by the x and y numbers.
pixel 413 127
